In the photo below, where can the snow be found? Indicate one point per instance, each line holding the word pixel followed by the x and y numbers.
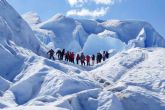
pixel 131 79
pixel 134 96
pixel 152 77
pixel 135 77
pixel 125 79
pixel 108 33
pixel 90 100
pixel 47 80
pixel 35 108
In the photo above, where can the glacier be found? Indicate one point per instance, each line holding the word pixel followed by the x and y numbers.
pixel 76 32
pixel 131 79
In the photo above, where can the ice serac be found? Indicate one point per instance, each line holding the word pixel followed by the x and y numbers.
pixel 73 33
pixel 139 41
pixel 103 42
pixel 67 31
pixel 4 85
pixel 129 29
pixel 18 30
pixel 91 26
pixel 46 37
pixel 32 18
pixel 16 40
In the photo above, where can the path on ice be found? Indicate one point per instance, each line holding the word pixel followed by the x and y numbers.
pixel 149 74
pixel 130 65
pixel 117 66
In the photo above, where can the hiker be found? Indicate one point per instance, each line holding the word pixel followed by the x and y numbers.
pixel 88 60
pixel 82 58
pixel 62 54
pixel 104 56
pixel 98 57
pixel 58 53
pixel 72 57
pixel 107 54
pixel 67 56
pixel 77 58
pixel 93 59
pixel 51 54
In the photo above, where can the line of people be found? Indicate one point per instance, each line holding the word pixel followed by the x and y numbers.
pixel 79 58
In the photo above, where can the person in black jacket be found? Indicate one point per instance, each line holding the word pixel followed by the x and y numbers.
pixel 107 55
pixel 58 53
pixel 82 58
pixel 104 56
pixel 100 57
pixel 51 54
pixel 97 58
pixel 62 54
pixel 77 58
pixel 93 59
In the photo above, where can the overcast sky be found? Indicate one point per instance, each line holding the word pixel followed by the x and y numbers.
pixel 152 11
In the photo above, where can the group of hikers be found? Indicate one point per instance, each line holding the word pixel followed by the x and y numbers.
pixel 79 58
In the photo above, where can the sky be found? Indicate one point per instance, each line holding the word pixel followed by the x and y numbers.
pixel 152 11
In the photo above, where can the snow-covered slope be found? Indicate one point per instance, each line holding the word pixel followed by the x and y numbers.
pixel 127 81
pixel 137 78
pixel 35 108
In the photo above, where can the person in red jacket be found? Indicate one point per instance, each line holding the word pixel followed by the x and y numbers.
pixel 67 56
pixel 78 58
pixel 72 57
pixel 88 60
